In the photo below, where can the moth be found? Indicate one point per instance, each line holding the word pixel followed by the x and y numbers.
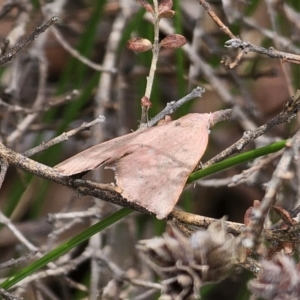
pixel 151 165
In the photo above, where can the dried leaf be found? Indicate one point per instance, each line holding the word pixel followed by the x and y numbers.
pixel 173 41
pixel 284 215
pixel 151 165
pixel 146 5
pixel 139 44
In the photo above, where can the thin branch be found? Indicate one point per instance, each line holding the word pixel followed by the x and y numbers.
pixel 155 51
pixel 283 41
pixel 204 222
pixel 33 36
pixel 16 261
pixel 3 169
pixel 90 212
pixel 105 86
pixel 119 274
pixel 271 52
pixel 211 13
pixel 63 137
pixel 174 105
pixel 18 234
pixel 59 270
pixel 258 166
pixel 78 56
pixel 53 102
pixel 288 113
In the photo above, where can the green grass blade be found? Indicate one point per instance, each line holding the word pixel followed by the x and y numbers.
pixel 65 247
pixel 235 160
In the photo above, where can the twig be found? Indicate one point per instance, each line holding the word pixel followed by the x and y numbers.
pixel 105 86
pixel 271 52
pixel 155 51
pixel 146 295
pixel 174 105
pixel 244 176
pixel 237 59
pixel 7 222
pixel 59 270
pixel 283 41
pixel 3 170
pixel 119 274
pixel 63 137
pixel 76 285
pixel 4 48
pixel 61 229
pixel 211 13
pixel 91 212
pixel 224 28
pixel 256 230
pixel 186 230
pixel 58 101
pixel 201 221
pixel 78 56
pixel 10 4
pixel 40 98
pixel 289 111
pixel 215 182
pixel 95 244
pixel 269 199
pixel 284 67
pixel 42 291
pixel 12 52
pixel 15 261
pixel 8 296
pixel 246 46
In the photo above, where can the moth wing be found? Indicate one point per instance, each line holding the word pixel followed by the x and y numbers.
pixel 97 155
pixel 154 175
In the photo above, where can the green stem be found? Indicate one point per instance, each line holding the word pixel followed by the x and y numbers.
pixel 235 160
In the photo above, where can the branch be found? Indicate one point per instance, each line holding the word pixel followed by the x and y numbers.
pixel 63 137
pixel 13 51
pixel 173 106
pixel 217 20
pixel 271 52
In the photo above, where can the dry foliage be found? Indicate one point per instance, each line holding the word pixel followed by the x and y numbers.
pixel 66 63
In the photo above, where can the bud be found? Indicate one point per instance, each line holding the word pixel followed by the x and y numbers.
pixel 173 41
pixel 146 102
pixel 164 5
pixel 139 44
